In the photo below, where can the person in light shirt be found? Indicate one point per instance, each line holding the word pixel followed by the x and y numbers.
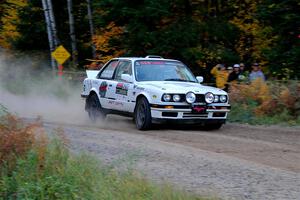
pixel 256 73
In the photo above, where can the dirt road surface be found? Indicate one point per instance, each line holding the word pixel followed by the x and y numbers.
pixel 236 162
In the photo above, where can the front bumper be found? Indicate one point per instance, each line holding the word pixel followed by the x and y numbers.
pixel 188 121
pixel 212 113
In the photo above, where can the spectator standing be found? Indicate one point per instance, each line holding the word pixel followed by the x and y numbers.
pixel 256 73
pixel 243 76
pixel 229 69
pixel 233 76
pixel 221 75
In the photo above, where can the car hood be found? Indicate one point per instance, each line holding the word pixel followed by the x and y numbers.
pixel 180 87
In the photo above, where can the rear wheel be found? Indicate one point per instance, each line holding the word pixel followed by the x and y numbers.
pixel 94 109
pixel 142 114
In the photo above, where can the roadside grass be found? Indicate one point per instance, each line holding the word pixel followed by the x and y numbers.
pixel 246 114
pixel 34 166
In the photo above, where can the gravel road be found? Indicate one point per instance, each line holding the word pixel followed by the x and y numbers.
pixel 236 162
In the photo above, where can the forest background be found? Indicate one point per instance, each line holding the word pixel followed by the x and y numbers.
pixel 201 33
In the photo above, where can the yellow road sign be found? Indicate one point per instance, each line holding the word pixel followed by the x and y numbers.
pixel 60 54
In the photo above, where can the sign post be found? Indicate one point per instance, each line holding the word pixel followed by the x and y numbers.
pixel 61 55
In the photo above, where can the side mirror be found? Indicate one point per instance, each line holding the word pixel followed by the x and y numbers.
pixel 126 77
pixel 199 79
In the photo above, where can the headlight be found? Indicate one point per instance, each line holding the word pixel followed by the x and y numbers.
pixel 209 97
pixel 216 98
pixel 190 97
pixel 223 98
pixel 176 98
pixel 167 97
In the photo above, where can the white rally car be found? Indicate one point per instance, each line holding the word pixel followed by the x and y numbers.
pixel 153 90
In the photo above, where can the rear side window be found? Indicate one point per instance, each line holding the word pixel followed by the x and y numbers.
pixel 109 70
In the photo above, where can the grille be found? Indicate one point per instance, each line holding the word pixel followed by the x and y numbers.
pixel 200 98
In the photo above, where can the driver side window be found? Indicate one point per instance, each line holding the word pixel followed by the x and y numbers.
pixel 123 68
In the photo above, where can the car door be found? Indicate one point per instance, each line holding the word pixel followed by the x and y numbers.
pixel 106 89
pixel 123 89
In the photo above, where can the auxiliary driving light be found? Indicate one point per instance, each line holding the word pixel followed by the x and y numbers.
pixel 209 97
pixel 190 97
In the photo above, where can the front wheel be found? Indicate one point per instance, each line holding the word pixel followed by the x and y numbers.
pixel 142 114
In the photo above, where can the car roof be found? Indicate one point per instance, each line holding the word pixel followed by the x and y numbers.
pixel 145 58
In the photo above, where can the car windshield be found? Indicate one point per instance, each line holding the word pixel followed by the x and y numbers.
pixel 146 70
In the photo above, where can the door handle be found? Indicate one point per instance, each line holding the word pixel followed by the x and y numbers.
pixel 109 85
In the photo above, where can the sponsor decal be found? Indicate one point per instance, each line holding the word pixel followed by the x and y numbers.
pixel 138 87
pixel 103 89
pixel 122 89
pixel 94 82
pixel 151 62
pixel 115 103
pixel 89 84
pixel 157 86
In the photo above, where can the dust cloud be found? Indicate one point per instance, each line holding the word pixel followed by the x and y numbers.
pixel 29 89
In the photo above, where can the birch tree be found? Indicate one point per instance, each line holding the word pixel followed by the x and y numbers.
pixel 72 32
pixel 52 23
pixel 49 32
pixel 90 18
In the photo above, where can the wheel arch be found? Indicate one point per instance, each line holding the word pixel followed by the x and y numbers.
pixel 92 92
pixel 142 95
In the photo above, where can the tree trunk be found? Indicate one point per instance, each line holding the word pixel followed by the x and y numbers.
pixel 90 17
pixel 72 32
pixel 187 8
pixel 49 32
pixel 52 23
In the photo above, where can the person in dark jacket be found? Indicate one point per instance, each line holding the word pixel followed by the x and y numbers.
pixel 233 76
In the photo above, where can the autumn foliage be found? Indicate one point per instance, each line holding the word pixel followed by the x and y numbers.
pixel 17 139
pixel 10 19
pixel 103 41
pixel 268 99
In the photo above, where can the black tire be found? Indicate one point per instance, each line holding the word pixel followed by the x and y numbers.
pixel 214 126
pixel 142 114
pixel 94 109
